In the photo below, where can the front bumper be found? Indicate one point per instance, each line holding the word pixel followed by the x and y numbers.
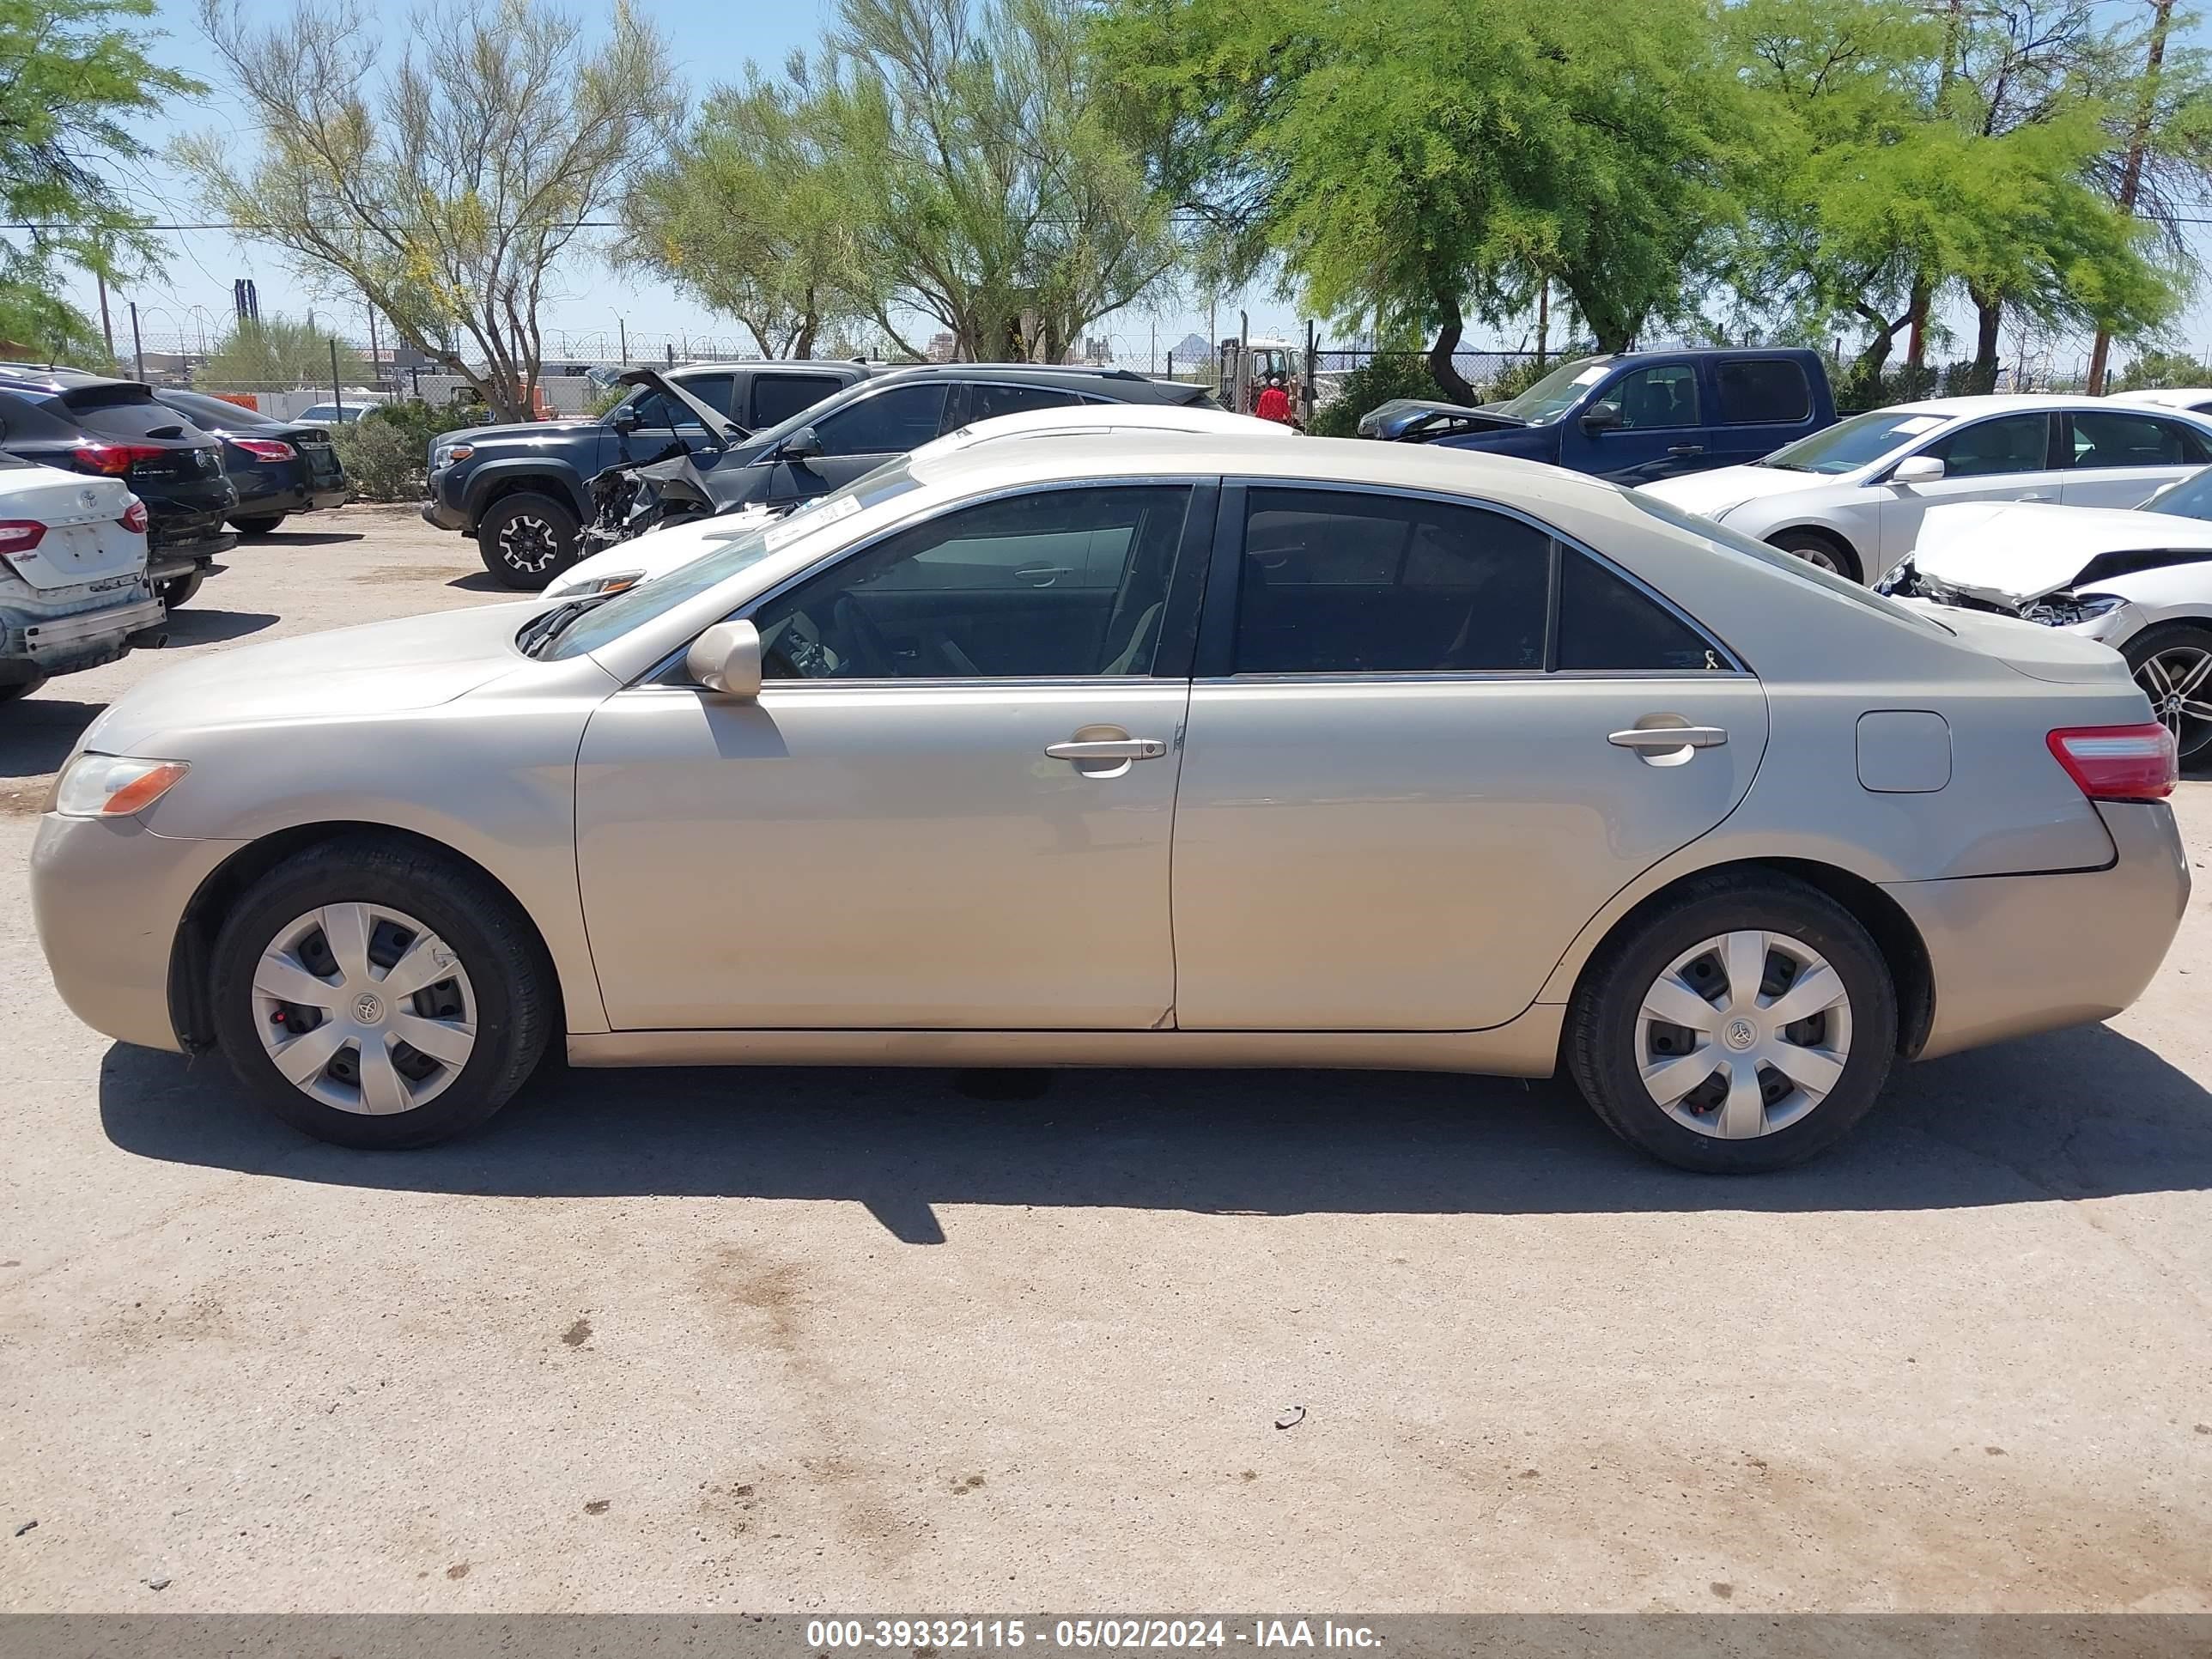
pixel 107 897
pixel 441 504
pixel 2014 955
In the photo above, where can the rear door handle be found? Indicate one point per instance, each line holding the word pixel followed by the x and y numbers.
pixel 1043 575
pixel 1099 748
pixel 1688 449
pixel 2033 496
pixel 1648 739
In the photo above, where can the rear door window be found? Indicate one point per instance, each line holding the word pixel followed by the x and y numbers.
pixel 1762 390
pixel 2107 438
pixel 1607 621
pixel 986 401
pixel 777 397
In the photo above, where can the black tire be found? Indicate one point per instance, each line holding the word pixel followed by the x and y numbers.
pixel 15 691
pixel 264 525
pixel 1601 1042
pixel 179 589
pixel 527 539
pixel 506 968
pixel 2192 736
pixel 1826 551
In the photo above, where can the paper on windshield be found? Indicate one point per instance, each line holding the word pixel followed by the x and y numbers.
pixel 1919 424
pixel 808 519
pixel 1593 374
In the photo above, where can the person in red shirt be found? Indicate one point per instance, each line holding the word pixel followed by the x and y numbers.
pixel 1274 404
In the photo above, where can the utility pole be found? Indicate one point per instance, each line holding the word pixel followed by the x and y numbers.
pixel 337 392
pixel 375 355
pixel 1543 322
pixel 106 328
pixel 2131 169
pixel 137 350
pixel 622 325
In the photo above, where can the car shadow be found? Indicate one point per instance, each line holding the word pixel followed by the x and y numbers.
pixel 482 581
pixel 302 538
pixel 2079 1113
pixel 39 733
pixel 195 626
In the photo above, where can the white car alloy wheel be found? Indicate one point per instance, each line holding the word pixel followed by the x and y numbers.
pixel 2178 680
pixel 363 1008
pixel 1743 1034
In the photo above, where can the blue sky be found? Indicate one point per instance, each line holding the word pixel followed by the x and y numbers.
pixel 588 300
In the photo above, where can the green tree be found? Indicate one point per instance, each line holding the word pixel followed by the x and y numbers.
pixel 444 191
pixel 938 157
pixel 2154 369
pixel 277 353
pixel 1407 161
pixel 71 73
pixel 745 214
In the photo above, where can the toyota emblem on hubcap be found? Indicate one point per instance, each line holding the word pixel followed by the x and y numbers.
pixel 368 1009
pixel 1739 1034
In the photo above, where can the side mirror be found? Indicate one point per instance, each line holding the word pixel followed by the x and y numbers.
pixel 626 420
pixel 726 660
pixel 801 446
pixel 1917 469
pixel 1602 417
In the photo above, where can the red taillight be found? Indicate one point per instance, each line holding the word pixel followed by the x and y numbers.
pixel 134 517
pixel 114 460
pixel 20 536
pixel 2118 762
pixel 265 449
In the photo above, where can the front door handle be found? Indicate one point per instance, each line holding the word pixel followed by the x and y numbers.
pixel 1650 738
pixel 2033 496
pixel 1688 449
pixel 1043 575
pixel 1101 749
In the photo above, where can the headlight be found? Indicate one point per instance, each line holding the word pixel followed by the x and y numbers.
pixel 600 587
pixel 446 454
pixel 2063 610
pixel 112 786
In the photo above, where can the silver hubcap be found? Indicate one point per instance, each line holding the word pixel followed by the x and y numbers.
pixel 528 542
pixel 365 1009
pixel 1818 555
pixel 1743 1034
pixel 2179 683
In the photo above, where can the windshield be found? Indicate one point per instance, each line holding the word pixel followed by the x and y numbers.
pixel 1721 539
pixel 739 549
pixel 1850 445
pixel 2185 498
pixel 1556 392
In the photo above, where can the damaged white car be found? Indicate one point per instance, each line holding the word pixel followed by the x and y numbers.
pixel 2138 580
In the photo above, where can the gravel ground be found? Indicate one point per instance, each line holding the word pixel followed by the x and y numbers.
pixel 855 1340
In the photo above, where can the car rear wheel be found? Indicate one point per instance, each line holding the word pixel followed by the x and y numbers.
pixel 178 589
pixel 2173 663
pixel 261 526
pixel 1743 1025
pixel 528 539
pixel 376 996
pixel 1818 549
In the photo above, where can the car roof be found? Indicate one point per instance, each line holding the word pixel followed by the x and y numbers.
pixel 765 365
pixel 1095 418
pixel 2000 403
pixel 36 377
pixel 2179 397
pixel 1123 383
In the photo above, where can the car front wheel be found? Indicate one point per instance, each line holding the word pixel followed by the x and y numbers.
pixel 376 995
pixel 1818 549
pixel 528 539
pixel 2173 663
pixel 1743 1025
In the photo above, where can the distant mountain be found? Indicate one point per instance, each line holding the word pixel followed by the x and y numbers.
pixel 1192 349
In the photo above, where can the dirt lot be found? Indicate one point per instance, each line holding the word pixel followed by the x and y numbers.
pixel 854 1340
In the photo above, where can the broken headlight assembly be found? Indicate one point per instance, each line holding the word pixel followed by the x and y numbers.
pixel 2063 610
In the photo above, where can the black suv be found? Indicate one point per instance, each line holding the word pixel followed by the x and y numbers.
pixel 810 453
pixel 91 423
pixel 521 489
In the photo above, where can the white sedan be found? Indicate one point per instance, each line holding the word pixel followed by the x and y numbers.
pixel 1851 497
pixel 659 551
pixel 2138 581
pixel 73 591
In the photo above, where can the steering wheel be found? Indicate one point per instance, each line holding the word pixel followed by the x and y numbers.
pixel 871 656
pixel 798 645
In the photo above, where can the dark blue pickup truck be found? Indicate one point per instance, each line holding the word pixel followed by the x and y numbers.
pixel 1635 416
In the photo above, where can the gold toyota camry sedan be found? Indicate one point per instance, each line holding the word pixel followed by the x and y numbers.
pixel 1135 749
